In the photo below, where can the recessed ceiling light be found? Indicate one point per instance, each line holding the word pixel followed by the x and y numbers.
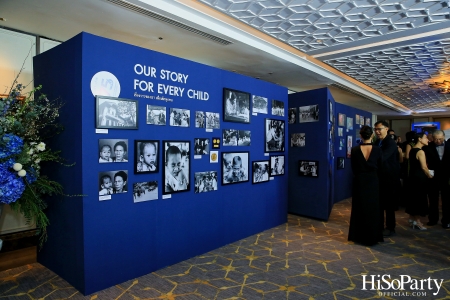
pixel 319 41
pixel 160 38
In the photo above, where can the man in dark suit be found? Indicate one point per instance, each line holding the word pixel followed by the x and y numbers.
pixel 389 176
pixel 438 159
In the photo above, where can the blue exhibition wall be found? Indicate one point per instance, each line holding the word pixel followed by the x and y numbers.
pixel 96 244
pixel 312 196
pixel 349 128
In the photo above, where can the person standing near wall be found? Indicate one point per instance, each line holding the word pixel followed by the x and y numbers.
pixel 389 176
pixel 438 160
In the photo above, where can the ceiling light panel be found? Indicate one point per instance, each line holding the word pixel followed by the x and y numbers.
pixel 300 23
pixel 402 73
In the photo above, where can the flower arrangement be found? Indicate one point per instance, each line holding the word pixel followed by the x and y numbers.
pixel 26 121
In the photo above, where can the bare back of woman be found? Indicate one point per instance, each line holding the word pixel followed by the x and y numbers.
pixel 366 149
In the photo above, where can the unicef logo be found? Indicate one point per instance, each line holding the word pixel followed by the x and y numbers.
pixel 104 83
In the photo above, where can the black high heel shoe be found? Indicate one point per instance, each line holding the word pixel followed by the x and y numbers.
pixel 418 226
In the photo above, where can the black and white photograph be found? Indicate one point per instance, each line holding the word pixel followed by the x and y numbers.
pixel 156 115
pixel 340 131
pixel 331 110
pixel 236 106
pixel 146 157
pixel 341 120
pixel 276 165
pixel 177 166
pixel 308 168
pixel 212 120
pixel 260 104
pixel 260 171
pixel 235 167
pixel 292 114
pixel 206 181
pixel 349 146
pixel 308 113
pixel 244 138
pixel 341 142
pixel 145 191
pixel 340 163
pixel 180 117
pixel 298 139
pixel 357 117
pixel 230 137
pixel 274 135
pixel 349 123
pixel 201 146
pixel 200 119
pixel 112 150
pixel 112 182
pixel 278 108
pixel 117 113
pixel 368 122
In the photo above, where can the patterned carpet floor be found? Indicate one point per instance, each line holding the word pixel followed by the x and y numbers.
pixel 302 259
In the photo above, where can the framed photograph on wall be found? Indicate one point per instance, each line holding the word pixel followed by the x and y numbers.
pixel 276 165
pixel 298 139
pixel 349 146
pixel 212 120
pixel 308 168
pixel 205 181
pixel 331 110
pixel 235 167
pixel 340 163
pixel 201 146
pixel 308 113
pixel 116 113
pixel 113 150
pixel 349 123
pixel 200 119
pixel 156 115
pixel 368 122
pixel 260 171
pixel 341 120
pixel 259 104
pixel 230 137
pixel 180 117
pixel 177 165
pixel 112 182
pixel 274 133
pixel 292 115
pixel 145 191
pixel 236 106
pixel 244 137
pixel 357 117
pixel 278 108
pixel 146 156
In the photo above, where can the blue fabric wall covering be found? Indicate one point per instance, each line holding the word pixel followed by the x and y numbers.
pixel 96 244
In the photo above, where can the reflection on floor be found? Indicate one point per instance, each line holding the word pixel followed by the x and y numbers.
pixel 302 259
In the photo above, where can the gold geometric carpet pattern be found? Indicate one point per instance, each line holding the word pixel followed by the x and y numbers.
pixel 302 259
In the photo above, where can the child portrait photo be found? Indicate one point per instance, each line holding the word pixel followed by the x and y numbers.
pixel 176 166
pixel 146 157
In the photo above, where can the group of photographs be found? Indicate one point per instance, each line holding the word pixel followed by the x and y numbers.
pixel 117 113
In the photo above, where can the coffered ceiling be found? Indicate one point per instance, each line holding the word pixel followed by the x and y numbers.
pixel 377 55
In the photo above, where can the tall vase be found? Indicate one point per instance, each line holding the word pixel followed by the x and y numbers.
pixel 1 208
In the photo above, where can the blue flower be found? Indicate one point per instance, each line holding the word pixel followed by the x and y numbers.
pixel 10 144
pixel 11 186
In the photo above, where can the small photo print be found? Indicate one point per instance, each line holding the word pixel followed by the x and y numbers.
pixel 260 171
pixel 146 158
pixel 298 140
pixel 292 114
pixel 205 181
pixel 112 182
pixel 113 150
pixel 341 120
pixel 349 146
pixel 230 137
pixel 274 134
pixel 368 121
pixel 308 113
pixel 145 191
pixel 200 119
pixel 244 138
pixel 350 123
pixel 342 142
pixel 340 131
pixel 308 168
pixel 156 115
pixel 278 108
pixel 201 146
pixel 276 165
pixel 340 163
pixel 235 167
pixel 116 113
pixel 260 104
pixel 357 119
pixel 180 117
pixel 236 106
pixel 212 120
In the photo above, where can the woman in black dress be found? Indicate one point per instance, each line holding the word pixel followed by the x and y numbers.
pixel 417 203
pixel 365 225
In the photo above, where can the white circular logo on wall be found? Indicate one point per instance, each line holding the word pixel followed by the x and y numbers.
pixel 104 83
